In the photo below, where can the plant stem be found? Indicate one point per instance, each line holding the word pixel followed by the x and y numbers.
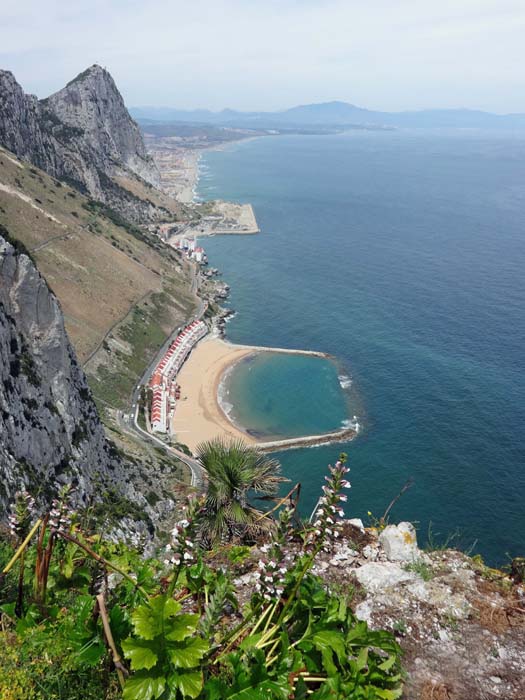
pixel 111 642
pixel 22 547
pixel 101 560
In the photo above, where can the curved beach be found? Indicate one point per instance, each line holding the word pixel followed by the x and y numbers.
pixel 199 416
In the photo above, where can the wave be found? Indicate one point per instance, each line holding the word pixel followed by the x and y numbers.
pixel 223 394
pixel 351 423
pixel 345 381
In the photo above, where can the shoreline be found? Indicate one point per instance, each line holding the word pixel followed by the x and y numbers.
pixel 200 416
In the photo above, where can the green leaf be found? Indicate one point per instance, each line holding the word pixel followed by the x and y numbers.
pixel 141 653
pixel 387 665
pixel 187 654
pixel 148 619
pixel 91 653
pixel 362 659
pixel 181 626
pixel 144 686
pixel 188 682
pixel 388 694
pixel 332 640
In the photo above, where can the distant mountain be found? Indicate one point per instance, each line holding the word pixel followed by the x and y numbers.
pixel 83 135
pixel 336 114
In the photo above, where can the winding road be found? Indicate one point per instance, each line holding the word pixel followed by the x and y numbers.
pixel 128 420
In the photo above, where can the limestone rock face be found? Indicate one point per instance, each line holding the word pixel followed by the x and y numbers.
pixel 92 105
pixel 82 134
pixel 50 433
pixel 378 576
pixel 399 542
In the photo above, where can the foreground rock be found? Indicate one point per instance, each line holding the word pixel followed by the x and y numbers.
pixel 461 625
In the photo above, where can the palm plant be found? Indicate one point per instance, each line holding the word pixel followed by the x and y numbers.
pixel 234 470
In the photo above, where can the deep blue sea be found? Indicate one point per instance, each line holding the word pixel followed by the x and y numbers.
pixel 402 253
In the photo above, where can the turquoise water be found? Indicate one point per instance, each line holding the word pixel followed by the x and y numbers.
pixel 402 254
pixel 276 396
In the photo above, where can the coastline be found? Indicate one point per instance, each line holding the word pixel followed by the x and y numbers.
pixel 200 416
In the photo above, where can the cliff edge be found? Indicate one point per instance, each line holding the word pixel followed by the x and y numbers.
pixel 49 427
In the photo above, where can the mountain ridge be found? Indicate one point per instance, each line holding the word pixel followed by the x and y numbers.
pixel 337 113
pixel 83 135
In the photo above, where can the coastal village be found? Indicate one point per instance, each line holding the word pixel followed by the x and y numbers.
pixel 165 392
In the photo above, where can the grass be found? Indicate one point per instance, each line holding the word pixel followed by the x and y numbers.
pixel 143 333
pixel 421 568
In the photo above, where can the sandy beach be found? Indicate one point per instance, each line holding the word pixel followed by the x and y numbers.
pixel 199 416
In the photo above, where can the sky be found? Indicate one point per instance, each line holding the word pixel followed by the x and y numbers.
pixel 273 54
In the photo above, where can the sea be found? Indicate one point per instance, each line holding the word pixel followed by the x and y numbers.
pixel 402 255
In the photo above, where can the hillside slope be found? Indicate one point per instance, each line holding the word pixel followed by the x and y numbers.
pixel 121 291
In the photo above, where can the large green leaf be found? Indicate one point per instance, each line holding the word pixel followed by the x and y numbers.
pixel 142 653
pixel 148 620
pixel 144 686
pixel 187 654
pixel 181 626
pixel 188 682
pixel 330 642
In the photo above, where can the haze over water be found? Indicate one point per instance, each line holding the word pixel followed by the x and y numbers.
pixel 403 254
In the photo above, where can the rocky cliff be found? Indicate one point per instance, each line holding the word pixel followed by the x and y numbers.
pixel 50 433
pixel 83 135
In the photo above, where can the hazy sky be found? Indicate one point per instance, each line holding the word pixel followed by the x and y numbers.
pixel 273 54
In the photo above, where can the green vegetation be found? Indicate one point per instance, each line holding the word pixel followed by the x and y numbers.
pixel 233 470
pixel 421 568
pixel 20 248
pixel 144 333
pixel 82 617
pixel 97 208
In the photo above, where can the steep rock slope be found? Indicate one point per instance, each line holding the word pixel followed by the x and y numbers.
pixel 49 429
pixel 84 135
pixel 121 291
pixel 92 104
